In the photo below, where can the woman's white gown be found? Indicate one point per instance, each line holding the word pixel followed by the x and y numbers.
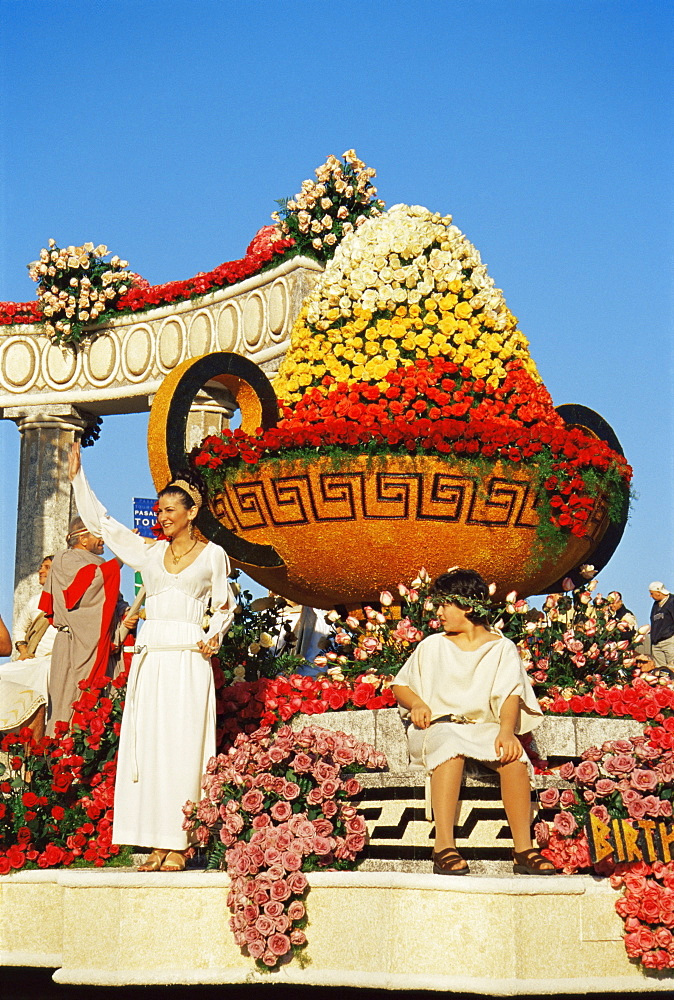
pixel 168 725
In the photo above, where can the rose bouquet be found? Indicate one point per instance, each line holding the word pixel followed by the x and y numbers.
pixel 622 779
pixel 276 806
pixel 76 286
pixel 327 209
pixel 629 780
pixel 574 646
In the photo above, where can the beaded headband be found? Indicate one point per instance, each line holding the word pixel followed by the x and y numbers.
pixel 464 602
pixel 192 493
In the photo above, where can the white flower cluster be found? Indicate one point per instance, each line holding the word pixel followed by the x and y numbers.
pixel 338 202
pixel 400 257
pixel 75 286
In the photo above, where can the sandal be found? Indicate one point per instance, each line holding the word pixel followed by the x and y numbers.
pixel 174 861
pixel 531 862
pixel 154 862
pixel 444 862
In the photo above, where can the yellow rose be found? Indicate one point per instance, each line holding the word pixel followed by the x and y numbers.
pixel 422 340
pixel 462 310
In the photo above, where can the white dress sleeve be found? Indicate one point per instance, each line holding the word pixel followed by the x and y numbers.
pixel 223 600
pixel 511 678
pixel 125 543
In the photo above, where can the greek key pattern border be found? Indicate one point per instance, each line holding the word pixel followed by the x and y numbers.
pixel 342 496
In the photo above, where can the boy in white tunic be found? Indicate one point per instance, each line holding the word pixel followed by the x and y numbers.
pixel 467 695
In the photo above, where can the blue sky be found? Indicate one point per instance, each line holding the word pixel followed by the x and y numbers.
pixel 167 129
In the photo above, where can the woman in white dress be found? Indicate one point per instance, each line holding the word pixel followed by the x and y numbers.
pixel 168 726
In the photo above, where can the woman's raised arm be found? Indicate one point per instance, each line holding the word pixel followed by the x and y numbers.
pixel 124 542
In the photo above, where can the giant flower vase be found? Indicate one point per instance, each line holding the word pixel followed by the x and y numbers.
pixel 408 426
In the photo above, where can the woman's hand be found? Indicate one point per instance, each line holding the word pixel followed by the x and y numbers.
pixel 210 648
pixel 508 747
pixel 420 714
pixel 130 621
pixel 74 460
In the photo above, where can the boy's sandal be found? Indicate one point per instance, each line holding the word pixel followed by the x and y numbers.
pixel 445 863
pixel 532 862
pixel 174 862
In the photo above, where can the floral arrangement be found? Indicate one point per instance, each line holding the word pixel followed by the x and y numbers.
pixel 406 286
pixel 265 250
pixel 623 779
pixel 574 647
pixel 276 806
pixel 337 203
pixel 76 286
pixel 405 346
pixel 56 796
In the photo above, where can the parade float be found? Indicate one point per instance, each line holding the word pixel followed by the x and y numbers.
pixel 407 425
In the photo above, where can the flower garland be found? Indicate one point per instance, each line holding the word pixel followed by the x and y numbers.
pixel 276 806
pixel 265 250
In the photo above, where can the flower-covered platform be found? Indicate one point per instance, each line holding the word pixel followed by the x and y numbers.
pixel 512 935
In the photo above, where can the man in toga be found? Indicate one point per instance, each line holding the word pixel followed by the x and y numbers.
pixel 80 598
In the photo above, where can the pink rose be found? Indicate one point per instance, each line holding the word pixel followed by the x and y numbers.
pixel 621 746
pixel 323 827
pixel 272 856
pixel 273 909
pixel 297 883
pixel 652 805
pixel 291 861
pixel 355 842
pixel 356 825
pixel 252 801
pixel 291 790
pixel 251 913
pixel 567 771
pixel 301 763
pixel 330 808
pixel 665 808
pixel 265 925
pixel 260 896
pixel 256 949
pixel 587 771
pixel 604 786
pixel 565 824
pixel 344 755
pixel 548 797
pixel 297 937
pixel 644 780
pixel 280 890
pixel 601 812
pixel 329 788
pixel 322 845
pixel 281 924
pixel 620 764
pixel 296 910
pixel 260 821
pixel 567 798
pixel 636 808
pixel 542 834
pixel 281 811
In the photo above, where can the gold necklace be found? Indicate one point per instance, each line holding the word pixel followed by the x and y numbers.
pixel 176 559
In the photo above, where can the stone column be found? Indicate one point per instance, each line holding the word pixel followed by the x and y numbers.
pixel 210 412
pixel 45 495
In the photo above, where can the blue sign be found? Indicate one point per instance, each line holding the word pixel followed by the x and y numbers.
pixel 144 516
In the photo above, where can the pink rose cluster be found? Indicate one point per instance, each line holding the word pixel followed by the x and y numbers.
pixel 277 805
pixel 647 907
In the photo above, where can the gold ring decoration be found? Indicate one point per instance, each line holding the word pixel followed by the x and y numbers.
pixel 167 427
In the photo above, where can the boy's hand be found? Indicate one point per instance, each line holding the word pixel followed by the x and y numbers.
pixel 421 714
pixel 508 747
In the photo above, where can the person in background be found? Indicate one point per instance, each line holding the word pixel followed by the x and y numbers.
pixel 24 682
pixel 32 633
pixel 627 623
pixel 5 641
pixel 81 599
pixel 662 624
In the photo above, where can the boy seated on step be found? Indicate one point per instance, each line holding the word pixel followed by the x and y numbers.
pixel 466 694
